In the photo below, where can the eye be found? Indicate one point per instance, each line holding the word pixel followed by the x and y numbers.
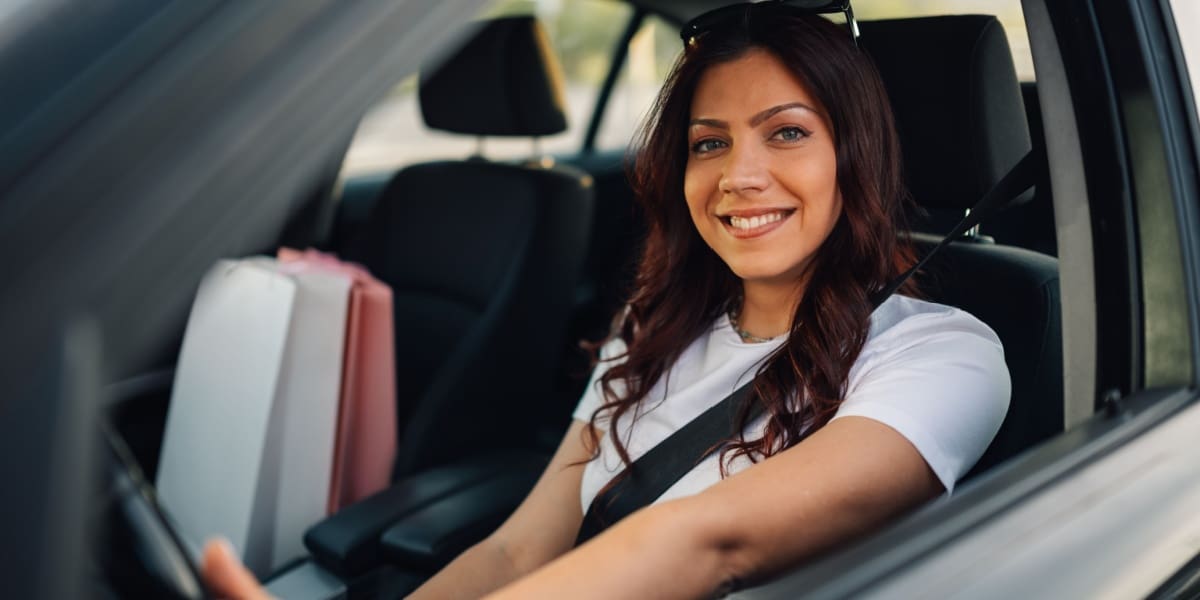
pixel 707 145
pixel 790 134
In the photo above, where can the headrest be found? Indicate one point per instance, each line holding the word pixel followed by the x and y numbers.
pixel 957 102
pixel 504 81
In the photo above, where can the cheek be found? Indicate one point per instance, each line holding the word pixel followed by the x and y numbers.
pixel 816 183
pixel 835 214
pixel 821 173
pixel 696 189
pixel 825 216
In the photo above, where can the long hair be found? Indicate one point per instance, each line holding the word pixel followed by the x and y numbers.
pixel 682 286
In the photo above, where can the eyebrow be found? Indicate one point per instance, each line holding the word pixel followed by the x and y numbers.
pixel 758 118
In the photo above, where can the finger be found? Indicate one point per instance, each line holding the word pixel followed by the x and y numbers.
pixel 226 576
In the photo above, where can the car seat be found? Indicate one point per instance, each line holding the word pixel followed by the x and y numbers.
pixel 482 256
pixel 962 126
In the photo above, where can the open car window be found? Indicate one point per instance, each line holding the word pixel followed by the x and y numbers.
pixel 583 34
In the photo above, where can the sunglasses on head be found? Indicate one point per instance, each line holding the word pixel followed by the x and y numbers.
pixel 726 14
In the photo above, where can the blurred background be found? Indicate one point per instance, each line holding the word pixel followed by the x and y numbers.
pixel 584 33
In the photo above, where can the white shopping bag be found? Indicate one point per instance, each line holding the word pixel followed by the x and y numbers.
pixel 248 446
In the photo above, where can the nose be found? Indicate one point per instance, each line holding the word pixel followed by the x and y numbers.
pixel 744 170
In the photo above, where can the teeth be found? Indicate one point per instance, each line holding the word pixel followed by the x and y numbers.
pixel 755 222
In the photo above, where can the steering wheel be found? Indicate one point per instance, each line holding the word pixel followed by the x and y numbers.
pixel 139 553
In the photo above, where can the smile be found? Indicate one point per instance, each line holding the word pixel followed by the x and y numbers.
pixel 747 226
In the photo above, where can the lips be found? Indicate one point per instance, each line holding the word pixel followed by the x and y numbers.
pixel 750 224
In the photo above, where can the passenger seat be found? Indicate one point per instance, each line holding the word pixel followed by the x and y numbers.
pixel 482 257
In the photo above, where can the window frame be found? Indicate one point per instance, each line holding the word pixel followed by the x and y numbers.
pixel 615 66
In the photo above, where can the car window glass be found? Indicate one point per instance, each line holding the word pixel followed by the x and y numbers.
pixel 652 51
pixel 583 33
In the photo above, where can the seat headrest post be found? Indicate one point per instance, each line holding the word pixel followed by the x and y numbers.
pixel 973 232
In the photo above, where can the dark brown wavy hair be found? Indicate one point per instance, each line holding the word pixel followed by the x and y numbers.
pixel 682 286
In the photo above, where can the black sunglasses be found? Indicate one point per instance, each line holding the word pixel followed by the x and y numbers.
pixel 718 17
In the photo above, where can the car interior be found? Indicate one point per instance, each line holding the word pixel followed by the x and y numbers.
pixel 501 268
pixel 551 252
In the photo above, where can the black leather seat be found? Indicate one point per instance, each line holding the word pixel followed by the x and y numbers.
pixel 482 257
pixel 962 126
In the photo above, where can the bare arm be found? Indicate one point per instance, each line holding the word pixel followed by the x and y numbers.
pixel 846 479
pixel 543 527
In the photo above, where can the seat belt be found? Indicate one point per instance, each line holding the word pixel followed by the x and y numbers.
pixel 642 482
pixel 1003 194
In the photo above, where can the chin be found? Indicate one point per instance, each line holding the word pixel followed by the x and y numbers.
pixel 777 274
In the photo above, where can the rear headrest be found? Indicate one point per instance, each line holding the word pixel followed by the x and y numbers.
pixel 504 81
pixel 957 102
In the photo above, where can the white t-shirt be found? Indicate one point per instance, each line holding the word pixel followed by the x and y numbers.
pixel 933 373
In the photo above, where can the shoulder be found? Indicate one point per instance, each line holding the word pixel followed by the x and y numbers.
pixel 906 332
pixel 938 342
pixel 612 350
pixel 936 374
pixel 905 321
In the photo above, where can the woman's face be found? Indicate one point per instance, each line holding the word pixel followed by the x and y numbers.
pixel 761 177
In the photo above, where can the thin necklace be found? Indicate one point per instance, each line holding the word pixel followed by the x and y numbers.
pixel 742 333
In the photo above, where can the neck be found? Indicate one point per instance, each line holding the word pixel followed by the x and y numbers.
pixel 767 309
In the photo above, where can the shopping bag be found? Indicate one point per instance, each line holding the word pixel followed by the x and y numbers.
pixel 248 446
pixel 366 438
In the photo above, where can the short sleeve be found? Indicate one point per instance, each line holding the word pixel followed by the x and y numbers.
pixel 940 381
pixel 611 353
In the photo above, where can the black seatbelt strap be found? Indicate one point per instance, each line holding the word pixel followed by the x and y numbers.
pixel 1021 177
pixel 642 482
pixel 661 466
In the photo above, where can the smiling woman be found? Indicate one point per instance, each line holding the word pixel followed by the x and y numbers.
pixel 774 172
pixel 769 174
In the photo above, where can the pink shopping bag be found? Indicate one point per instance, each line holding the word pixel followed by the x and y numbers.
pixel 366 430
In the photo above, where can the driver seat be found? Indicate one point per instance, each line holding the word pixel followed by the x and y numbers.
pixel 962 125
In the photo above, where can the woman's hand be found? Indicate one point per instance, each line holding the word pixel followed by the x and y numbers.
pixel 226 576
